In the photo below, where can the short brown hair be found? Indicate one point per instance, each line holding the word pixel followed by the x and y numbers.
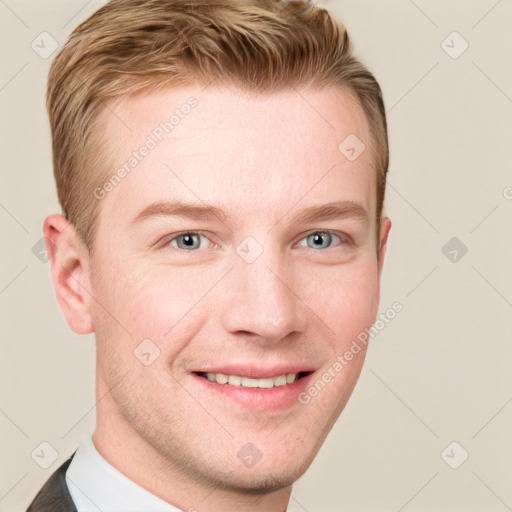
pixel 130 45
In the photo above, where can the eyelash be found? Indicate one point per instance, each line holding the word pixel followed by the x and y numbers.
pixel 344 239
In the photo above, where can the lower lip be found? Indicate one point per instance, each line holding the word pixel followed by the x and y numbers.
pixel 269 399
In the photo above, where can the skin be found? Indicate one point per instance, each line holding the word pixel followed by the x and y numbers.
pixel 262 159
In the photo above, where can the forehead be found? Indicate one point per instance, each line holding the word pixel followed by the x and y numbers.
pixel 240 151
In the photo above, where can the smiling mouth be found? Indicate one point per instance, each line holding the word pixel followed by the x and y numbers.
pixel 284 379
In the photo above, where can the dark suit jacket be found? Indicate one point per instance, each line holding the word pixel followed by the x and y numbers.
pixel 54 495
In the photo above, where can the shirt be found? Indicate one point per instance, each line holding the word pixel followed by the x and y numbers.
pixel 95 485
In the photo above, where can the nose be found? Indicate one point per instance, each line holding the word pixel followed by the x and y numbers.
pixel 259 300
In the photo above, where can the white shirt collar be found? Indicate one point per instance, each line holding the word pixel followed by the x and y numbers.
pixel 95 485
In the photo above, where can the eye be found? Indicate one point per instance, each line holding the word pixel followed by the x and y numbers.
pixel 187 241
pixel 323 240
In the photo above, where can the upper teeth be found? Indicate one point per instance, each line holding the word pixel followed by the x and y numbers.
pixel 246 382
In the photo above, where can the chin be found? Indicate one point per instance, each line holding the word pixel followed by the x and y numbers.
pixel 260 481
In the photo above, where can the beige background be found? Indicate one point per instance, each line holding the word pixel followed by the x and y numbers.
pixel 439 372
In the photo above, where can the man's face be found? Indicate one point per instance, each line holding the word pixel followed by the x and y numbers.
pixel 254 292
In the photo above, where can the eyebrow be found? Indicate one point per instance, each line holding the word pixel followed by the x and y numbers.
pixel 204 212
pixel 331 211
pixel 179 209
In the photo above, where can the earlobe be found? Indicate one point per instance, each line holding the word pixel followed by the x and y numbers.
pixel 69 260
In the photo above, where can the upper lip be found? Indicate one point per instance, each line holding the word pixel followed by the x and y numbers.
pixel 256 372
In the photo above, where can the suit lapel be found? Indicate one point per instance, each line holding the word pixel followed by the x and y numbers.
pixel 54 495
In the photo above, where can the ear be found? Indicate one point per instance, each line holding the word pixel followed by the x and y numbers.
pixel 69 260
pixel 385 227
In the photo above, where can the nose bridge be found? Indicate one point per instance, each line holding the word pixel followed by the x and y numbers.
pixel 260 298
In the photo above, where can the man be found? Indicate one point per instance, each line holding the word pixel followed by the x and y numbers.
pixel 221 167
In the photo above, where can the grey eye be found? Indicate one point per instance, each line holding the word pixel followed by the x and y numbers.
pixel 319 240
pixel 189 241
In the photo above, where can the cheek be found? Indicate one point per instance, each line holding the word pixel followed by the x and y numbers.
pixel 151 302
pixel 345 297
